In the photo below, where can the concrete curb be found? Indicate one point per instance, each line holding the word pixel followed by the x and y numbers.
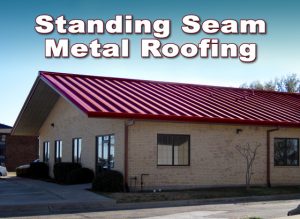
pixel 231 200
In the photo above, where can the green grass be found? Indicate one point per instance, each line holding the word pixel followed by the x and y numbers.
pixel 200 194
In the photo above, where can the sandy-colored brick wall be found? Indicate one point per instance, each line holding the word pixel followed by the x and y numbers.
pixel 214 161
pixel 71 123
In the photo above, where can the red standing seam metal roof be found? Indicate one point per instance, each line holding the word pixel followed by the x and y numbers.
pixel 128 98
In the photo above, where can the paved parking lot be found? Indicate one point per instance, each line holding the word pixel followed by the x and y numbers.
pixel 270 209
pixel 21 195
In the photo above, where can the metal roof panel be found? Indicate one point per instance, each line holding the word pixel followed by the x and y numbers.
pixel 129 98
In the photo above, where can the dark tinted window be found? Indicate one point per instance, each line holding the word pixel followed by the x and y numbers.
pixel 173 150
pixel 286 152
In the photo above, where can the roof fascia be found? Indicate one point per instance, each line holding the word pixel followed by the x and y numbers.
pixel 63 95
pixel 192 119
pixel 37 80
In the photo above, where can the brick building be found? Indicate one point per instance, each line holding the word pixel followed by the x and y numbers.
pixel 4 132
pixel 175 135
pixel 16 150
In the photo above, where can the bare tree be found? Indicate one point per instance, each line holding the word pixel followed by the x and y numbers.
pixel 249 153
pixel 289 83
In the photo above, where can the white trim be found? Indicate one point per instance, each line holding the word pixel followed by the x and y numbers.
pixel 5 131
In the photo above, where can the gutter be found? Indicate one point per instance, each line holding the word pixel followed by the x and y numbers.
pixel 190 119
pixel 268 155
pixel 126 140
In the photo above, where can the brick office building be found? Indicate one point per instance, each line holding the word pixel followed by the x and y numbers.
pixel 16 150
pixel 4 132
pixel 177 135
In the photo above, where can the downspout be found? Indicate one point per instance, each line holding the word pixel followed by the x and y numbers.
pixel 268 155
pixel 126 131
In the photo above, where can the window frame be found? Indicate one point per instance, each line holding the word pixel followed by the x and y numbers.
pixel 57 159
pixel 285 153
pixel 78 159
pixel 109 149
pixel 175 165
pixel 2 148
pixel 46 143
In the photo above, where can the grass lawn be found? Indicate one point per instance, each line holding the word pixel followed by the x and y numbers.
pixel 200 194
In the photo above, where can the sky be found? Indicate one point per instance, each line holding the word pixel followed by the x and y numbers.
pixel 22 48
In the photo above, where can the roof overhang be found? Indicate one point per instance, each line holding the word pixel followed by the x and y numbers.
pixel 5 131
pixel 36 108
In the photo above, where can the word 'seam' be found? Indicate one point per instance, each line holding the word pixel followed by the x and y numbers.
pixel 192 25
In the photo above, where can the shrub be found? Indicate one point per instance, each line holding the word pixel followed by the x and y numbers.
pixel 61 170
pixel 108 181
pixel 23 171
pixel 79 176
pixel 39 170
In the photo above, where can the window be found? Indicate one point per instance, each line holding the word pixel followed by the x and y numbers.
pixel 46 150
pixel 105 152
pixel 76 158
pixel 173 150
pixel 2 138
pixel 2 148
pixel 58 151
pixel 286 152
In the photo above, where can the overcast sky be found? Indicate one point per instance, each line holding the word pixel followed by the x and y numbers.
pixel 22 49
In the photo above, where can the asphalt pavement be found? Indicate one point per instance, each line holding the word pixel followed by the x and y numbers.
pixel 22 196
pixel 268 209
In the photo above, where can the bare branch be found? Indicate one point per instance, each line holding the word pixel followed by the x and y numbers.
pixel 249 154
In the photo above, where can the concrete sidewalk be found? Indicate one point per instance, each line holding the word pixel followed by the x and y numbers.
pixel 19 195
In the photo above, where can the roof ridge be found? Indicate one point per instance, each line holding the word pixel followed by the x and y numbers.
pixel 167 82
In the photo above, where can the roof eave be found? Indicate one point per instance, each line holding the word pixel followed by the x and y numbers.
pixel 192 119
pixel 35 110
pixel 25 104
